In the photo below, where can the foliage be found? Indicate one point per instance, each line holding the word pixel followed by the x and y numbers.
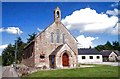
pixel 31 37
pixel 8 54
pixel 108 46
pixel 20 48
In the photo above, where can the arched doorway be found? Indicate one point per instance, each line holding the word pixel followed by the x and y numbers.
pixel 65 60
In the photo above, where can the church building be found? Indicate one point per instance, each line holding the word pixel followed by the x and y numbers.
pixel 54 47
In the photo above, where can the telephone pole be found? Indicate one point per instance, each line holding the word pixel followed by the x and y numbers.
pixel 16 49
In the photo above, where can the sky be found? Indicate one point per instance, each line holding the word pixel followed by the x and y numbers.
pixel 91 23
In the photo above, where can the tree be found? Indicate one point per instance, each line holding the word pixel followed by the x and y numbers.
pixel 31 37
pixel 8 55
pixel 116 45
pixel 20 48
pixel 108 46
pixel 100 47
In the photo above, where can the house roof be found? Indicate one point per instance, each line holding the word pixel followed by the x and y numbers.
pixel 85 51
pixel 117 52
pixel 108 52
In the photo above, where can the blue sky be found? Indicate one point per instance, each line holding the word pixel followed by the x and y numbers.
pixel 32 17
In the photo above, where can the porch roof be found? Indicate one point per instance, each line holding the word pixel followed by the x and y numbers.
pixel 56 50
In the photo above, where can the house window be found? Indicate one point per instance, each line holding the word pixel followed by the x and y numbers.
pixel 98 57
pixel 58 35
pixel 52 35
pixel 83 57
pixel 91 57
pixel 63 38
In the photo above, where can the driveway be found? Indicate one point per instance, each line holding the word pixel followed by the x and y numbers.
pixel 9 72
pixel 110 63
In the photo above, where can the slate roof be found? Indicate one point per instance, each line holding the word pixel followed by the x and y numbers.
pixel 85 51
pixel 117 52
pixel 108 52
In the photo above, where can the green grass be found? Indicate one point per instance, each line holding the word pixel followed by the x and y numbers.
pixel 98 71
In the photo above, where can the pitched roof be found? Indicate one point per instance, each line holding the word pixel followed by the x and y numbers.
pixel 117 52
pixel 56 50
pixel 87 51
pixel 108 52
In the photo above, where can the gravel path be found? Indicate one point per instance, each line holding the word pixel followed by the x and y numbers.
pixel 9 72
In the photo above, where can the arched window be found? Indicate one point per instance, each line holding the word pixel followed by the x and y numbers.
pixel 63 38
pixel 58 35
pixel 57 14
pixel 52 36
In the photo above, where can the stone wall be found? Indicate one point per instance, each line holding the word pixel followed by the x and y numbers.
pixel 28 57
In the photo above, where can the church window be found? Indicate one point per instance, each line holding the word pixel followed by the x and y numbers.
pixel 63 38
pixel 52 35
pixel 42 57
pixel 58 35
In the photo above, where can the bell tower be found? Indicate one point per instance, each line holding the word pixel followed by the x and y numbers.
pixel 57 15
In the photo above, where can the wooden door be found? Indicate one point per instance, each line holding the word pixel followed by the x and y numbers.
pixel 65 60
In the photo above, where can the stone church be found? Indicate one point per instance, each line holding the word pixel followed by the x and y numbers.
pixel 54 47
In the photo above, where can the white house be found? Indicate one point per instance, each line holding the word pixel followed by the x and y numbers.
pixel 87 56
pixel 110 55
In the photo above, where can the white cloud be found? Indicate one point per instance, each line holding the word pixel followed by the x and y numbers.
pixel 12 30
pixel 116 29
pixel 115 4
pixel 112 12
pixel 2 47
pixel 88 20
pixel 1 29
pixel 85 42
pixel 40 30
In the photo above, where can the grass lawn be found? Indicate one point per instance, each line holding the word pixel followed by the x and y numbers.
pixel 98 71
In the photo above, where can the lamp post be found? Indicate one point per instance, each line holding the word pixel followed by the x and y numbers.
pixel 16 47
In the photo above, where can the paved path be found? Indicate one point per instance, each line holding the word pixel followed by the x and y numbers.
pixel 9 72
pixel 110 63
pixel 84 66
